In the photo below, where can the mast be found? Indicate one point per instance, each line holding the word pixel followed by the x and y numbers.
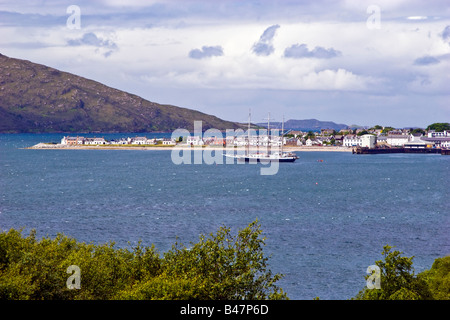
pixel 248 132
pixel 282 134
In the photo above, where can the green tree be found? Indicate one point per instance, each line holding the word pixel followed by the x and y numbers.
pixel 439 126
pixel 438 278
pixel 398 281
pixel 362 132
pixel 387 129
pixel 310 135
pixel 219 266
pixel 417 130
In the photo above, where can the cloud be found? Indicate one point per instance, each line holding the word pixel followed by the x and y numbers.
pixel 264 46
pixel 91 39
pixel 298 51
pixel 206 52
pixel 446 33
pixel 426 60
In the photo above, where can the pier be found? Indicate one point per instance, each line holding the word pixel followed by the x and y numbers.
pixel 364 150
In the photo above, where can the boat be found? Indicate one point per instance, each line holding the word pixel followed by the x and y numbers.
pixel 264 157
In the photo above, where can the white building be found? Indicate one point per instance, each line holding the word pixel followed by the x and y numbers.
pixel 433 134
pixel 139 140
pixel 397 140
pixel 351 140
pixel 368 141
pixel 94 141
pixel 168 142
pixel 194 140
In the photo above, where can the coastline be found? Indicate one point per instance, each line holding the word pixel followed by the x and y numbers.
pixel 44 146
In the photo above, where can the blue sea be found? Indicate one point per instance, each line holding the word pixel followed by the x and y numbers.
pixel 325 221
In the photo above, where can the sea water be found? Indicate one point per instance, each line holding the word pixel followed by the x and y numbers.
pixel 325 221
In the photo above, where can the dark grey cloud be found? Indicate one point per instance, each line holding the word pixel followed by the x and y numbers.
pixel 446 33
pixel 264 46
pixel 426 60
pixel 91 39
pixel 298 51
pixel 206 52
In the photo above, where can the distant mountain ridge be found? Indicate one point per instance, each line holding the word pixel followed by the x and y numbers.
pixel 36 98
pixel 306 125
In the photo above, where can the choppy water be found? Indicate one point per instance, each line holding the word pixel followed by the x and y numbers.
pixel 325 222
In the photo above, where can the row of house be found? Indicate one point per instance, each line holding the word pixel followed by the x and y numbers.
pixel 240 141
pixel 416 140
pixel 122 141
pixel 397 138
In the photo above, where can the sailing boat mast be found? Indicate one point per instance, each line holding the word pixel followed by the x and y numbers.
pixel 248 132
pixel 282 134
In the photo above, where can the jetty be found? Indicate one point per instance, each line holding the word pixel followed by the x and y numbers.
pixel 365 150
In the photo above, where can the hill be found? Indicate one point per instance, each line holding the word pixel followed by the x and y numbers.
pixel 36 98
pixel 306 125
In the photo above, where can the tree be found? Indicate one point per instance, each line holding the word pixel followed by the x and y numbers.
pixel 398 281
pixel 438 278
pixel 439 126
pixel 310 135
pixel 362 132
pixel 219 266
pixel 417 130
pixel 387 129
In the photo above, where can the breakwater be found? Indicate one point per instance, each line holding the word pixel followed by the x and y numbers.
pixel 361 150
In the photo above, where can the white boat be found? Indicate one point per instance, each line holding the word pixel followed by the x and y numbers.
pixel 264 157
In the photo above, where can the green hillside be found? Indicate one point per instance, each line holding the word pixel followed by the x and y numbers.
pixel 37 98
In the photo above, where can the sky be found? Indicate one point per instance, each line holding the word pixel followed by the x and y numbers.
pixel 351 62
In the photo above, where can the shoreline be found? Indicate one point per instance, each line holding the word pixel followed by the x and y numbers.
pixel 44 146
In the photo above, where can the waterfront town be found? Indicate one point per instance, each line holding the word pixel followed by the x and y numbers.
pixel 346 138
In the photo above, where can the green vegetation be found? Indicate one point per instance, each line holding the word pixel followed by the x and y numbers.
pixel 219 266
pixel 387 129
pixel 439 126
pixel 35 98
pixel 310 135
pixel 417 130
pixel 362 133
pixel 398 281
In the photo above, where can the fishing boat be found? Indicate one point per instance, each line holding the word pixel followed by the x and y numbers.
pixel 264 157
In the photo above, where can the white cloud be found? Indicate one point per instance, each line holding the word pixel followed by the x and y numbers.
pixel 154 48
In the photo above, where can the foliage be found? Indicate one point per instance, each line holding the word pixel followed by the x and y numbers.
pixel 387 129
pixel 417 130
pixel 310 135
pixel 35 98
pixel 219 266
pixel 362 132
pixel 398 281
pixel 439 126
pixel 438 278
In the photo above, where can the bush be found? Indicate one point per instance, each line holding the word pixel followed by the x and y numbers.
pixel 398 281
pixel 219 266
